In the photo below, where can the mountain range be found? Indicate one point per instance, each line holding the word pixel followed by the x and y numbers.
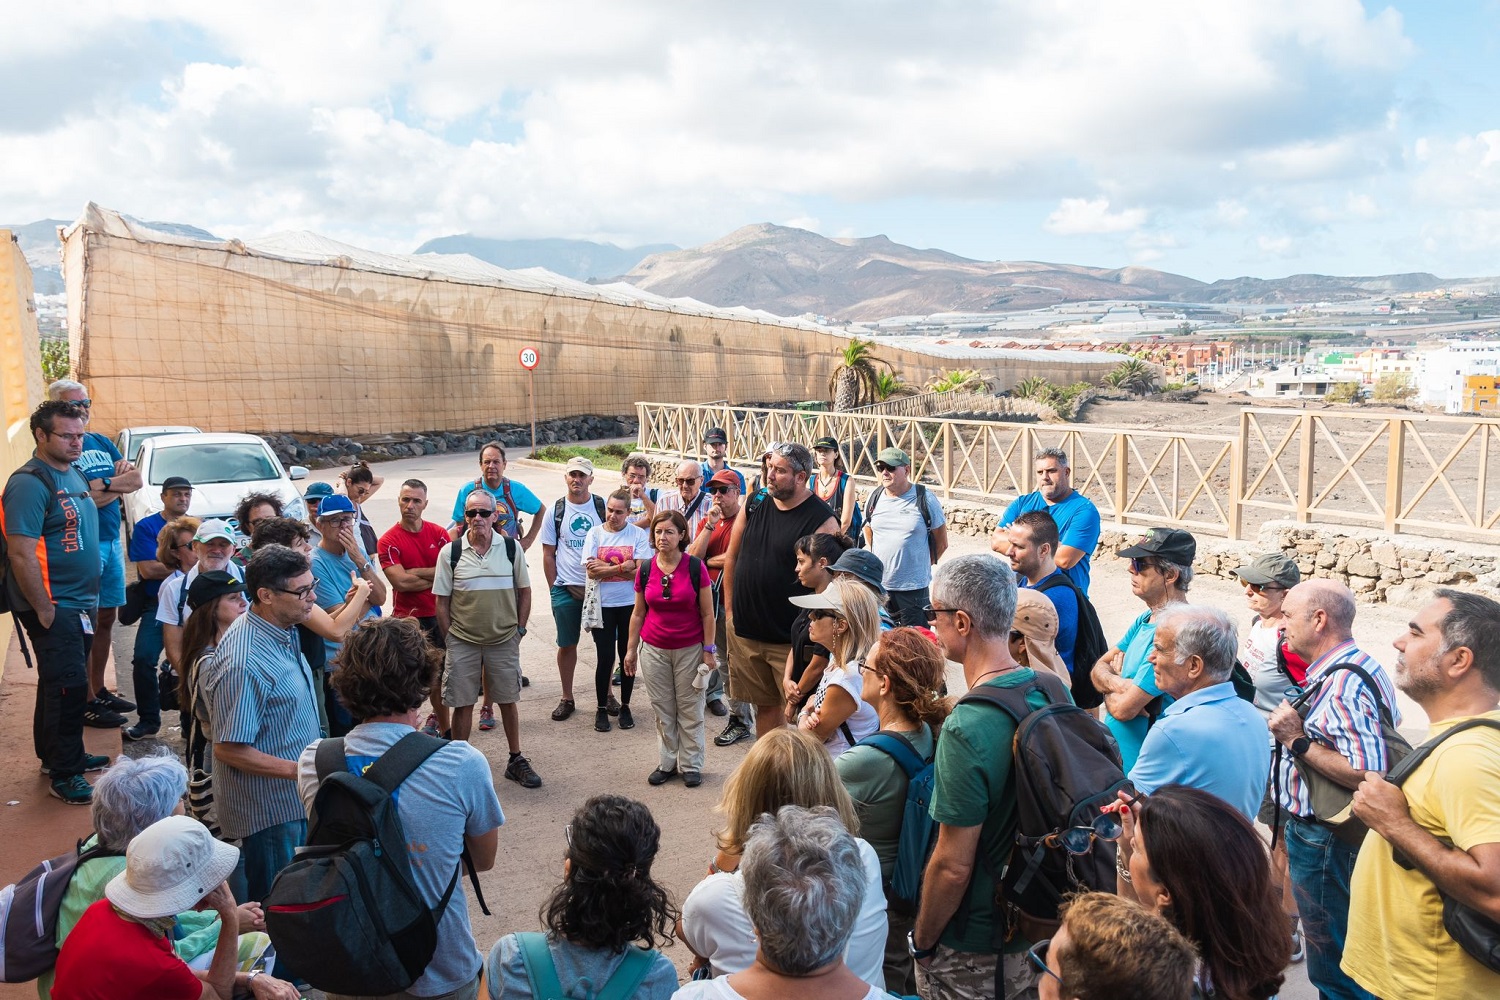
pixel 792 271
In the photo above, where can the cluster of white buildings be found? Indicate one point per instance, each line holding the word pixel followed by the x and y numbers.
pixel 1456 377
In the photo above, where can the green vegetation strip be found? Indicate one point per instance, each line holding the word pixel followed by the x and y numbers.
pixel 604 455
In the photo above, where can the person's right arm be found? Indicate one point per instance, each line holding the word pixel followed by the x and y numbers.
pixel 408 581
pixel 698 547
pixel 151 569
pixel 736 537
pixel 218 980
pixel 244 757
pixel 946 880
pixel 482 848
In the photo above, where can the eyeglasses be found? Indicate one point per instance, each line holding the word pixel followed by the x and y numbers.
pixel 931 612
pixel 1140 564
pixel 479 512
pixel 301 593
pixel 1037 955
pixel 183 545
pixel 818 614
pixel 338 521
pixel 1078 840
pixel 568 834
pixel 689 482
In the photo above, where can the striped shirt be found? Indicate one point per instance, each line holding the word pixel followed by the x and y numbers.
pixel 1342 715
pixel 259 693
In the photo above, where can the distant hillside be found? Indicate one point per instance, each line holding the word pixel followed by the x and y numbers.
pixel 39 242
pixel 792 271
pixel 571 258
pixel 1316 288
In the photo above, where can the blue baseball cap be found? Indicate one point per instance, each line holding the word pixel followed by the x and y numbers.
pixel 335 503
pixel 318 491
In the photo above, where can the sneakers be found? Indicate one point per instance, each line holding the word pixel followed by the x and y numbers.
pixel 613 705
pixel 692 779
pixel 91 762
pixel 525 681
pixel 486 718
pixel 100 715
pixel 732 734
pixel 1299 949
pixel 430 726
pixel 717 707
pixel 519 770
pixel 114 701
pixel 660 777
pixel 627 721
pixel 138 732
pixel 601 721
pixel 563 710
pixel 74 791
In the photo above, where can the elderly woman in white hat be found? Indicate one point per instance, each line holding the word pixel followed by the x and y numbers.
pixel 122 947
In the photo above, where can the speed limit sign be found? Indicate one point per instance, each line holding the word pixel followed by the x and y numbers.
pixel 528 358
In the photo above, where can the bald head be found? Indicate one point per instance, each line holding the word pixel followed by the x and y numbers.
pixel 689 477
pixel 1320 616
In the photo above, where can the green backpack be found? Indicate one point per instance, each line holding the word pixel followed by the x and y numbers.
pixel 542 974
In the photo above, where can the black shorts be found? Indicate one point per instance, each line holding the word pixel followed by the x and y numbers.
pixel 430 630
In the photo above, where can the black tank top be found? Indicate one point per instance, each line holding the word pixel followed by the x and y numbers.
pixel 765 571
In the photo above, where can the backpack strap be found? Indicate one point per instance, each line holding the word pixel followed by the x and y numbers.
pixel 1398 774
pixel 557 516
pixel 329 757
pixel 396 764
pixel 848 733
pixel 599 506
pixel 696 573
pixel 627 977
pixel 455 552
pixel 898 748
pixel 1307 696
pixel 510 551
pixel 510 501
pixel 692 508
pixel 541 973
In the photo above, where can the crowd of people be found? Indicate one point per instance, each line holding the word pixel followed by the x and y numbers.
pixel 867 837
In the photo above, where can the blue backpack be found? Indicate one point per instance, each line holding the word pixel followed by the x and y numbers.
pixel 918 828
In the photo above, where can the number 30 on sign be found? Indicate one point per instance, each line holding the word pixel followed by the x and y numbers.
pixel 528 358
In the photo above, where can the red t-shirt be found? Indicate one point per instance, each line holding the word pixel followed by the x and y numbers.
pixel 107 957
pixel 718 543
pixel 412 550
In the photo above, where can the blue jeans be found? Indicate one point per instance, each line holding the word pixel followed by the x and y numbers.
pixel 143 664
pixel 1321 867
pixel 262 855
pixel 906 606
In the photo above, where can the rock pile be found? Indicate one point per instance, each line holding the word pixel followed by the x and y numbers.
pixel 320 452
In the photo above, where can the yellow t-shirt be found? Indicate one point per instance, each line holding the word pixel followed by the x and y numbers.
pixel 1397 946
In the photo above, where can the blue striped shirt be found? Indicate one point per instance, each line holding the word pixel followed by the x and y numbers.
pixel 1342 715
pixel 260 693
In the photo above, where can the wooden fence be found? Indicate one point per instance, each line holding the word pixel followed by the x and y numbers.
pixel 1397 472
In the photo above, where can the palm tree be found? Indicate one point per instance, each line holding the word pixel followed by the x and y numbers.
pixel 889 385
pixel 1134 376
pixel 958 380
pixel 854 382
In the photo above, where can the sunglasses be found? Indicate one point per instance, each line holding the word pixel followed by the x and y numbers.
pixel 1079 840
pixel 1140 564
pixel 1017 636
pixel 81 402
pixel 1037 955
pixel 882 467
pixel 931 613
pixel 716 490
pixel 689 482
pixel 1265 588
pixel 818 614
pixel 666 586
pixel 479 512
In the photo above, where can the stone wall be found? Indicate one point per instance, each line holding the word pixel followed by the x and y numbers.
pixel 321 451
pixel 1397 569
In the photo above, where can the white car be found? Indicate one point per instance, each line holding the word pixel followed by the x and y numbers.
pixel 222 469
pixel 131 438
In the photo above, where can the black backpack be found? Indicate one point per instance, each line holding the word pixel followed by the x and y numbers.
pixel 1067 767
pixel 559 508
pixel 1476 934
pixel 35 467
pixel 29 911
pixel 456 551
pixel 874 498
pixel 346 915
pixel 1089 646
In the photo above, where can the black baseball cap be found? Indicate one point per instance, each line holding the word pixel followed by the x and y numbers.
pixel 176 483
pixel 1172 544
pixel 715 435
pixel 207 586
pixel 825 442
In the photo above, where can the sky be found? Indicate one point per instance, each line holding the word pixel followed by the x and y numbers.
pixel 1239 137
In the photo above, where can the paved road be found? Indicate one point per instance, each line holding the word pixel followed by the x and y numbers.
pixel 576 762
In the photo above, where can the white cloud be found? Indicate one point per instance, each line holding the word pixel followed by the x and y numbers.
pixel 1277 246
pixel 1082 216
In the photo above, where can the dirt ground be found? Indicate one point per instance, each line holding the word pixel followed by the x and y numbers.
pixel 573 760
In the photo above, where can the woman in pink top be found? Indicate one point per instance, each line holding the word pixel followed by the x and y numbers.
pixel 674 615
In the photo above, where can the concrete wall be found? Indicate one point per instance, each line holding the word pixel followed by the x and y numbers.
pixel 20 374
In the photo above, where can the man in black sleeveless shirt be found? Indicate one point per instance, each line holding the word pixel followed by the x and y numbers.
pixel 760 573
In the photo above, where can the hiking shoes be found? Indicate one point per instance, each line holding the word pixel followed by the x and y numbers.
pixel 100 715
pixel 138 732
pixel 74 791
pixel 601 721
pixel 519 770
pixel 486 718
pixel 732 734
pixel 563 710
pixel 718 707
pixel 661 777
pixel 91 762
pixel 692 779
pixel 114 701
pixel 627 721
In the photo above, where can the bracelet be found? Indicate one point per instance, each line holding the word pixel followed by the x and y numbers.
pixel 1121 870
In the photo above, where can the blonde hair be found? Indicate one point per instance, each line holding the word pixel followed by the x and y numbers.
pixel 786 767
pixel 862 614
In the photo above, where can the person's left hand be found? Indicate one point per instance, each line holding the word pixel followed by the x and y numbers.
pixel 252 918
pixel 267 987
pixel 1380 804
pixel 1285 723
pixel 808 722
pixel 123 466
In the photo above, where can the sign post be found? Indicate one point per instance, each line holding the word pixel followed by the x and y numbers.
pixel 529 361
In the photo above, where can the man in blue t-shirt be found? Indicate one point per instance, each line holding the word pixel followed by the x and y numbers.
pixel 1033 539
pixel 336 560
pixel 52 545
pixel 110 477
pixel 176 497
pixel 899 534
pixel 1076 516
pixel 512 499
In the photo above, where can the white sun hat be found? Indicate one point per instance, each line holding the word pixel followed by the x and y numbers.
pixel 169 867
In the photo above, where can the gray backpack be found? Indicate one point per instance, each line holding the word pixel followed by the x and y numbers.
pixel 28 914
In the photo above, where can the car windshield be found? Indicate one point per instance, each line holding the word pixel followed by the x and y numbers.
pixel 202 464
pixel 141 437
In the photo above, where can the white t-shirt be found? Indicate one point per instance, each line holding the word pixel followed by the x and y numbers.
pixel 629 542
pixel 1261 643
pixel 577 519
pixel 719 989
pixel 170 595
pixel 865 719
pixel 716 926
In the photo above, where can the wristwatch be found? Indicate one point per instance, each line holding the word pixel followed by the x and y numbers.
pixel 520 630
pixel 710 648
pixel 105 481
pixel 916 953
pixel 1300 746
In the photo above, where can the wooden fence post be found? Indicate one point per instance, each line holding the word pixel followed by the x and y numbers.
pixel 1308 430
pixel 1395 462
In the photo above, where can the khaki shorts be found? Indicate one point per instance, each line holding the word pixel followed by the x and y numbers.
pixel 755 669
pixel 465 664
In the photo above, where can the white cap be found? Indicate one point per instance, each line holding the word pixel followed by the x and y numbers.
pixel 169 867
pixel 215 528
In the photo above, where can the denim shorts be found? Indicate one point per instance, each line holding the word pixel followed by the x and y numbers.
pixel 111 574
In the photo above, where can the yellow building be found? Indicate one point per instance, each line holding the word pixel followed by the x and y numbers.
pixel 1481 394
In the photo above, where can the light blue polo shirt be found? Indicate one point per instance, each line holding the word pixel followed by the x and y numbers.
pixel 1212 740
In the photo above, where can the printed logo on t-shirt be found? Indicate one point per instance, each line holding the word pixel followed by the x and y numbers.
pixel 578 527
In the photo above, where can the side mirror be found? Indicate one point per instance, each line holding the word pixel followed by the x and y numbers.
pixel 297 472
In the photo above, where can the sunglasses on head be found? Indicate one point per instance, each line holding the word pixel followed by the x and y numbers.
pixel 479 512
